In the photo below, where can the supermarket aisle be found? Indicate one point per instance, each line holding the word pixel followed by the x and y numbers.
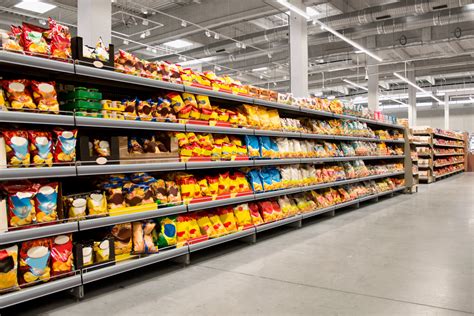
pixel 409 255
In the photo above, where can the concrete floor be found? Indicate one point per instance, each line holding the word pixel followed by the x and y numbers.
pixel 408 255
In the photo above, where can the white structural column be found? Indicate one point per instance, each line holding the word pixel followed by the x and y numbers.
pixel 446 111
pixel 298 52
pixel 94 20
pixel 411 97
pixel 373 74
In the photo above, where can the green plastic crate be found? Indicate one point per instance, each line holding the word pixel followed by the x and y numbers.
pixel 81 93
pixel 81 105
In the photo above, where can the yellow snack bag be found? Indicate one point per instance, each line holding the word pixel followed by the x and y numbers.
pixel 252 115
pixel 242 215
pixel 274 119
pixel 207 228
pixel 9 264
pixel 182 230
pixel 226 214
pixel 263 117
pixel 217 225
pixel 194 230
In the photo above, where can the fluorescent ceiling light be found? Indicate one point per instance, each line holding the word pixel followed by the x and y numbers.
pixel 417 87
pixel 294 9
pixel 312 12
pixel 35 6
pixel 179 43
pixel 196 61
pixel 355 84
pixel 260 69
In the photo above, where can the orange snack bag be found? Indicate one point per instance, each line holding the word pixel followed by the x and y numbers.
pixel 45 96
pixel 18 94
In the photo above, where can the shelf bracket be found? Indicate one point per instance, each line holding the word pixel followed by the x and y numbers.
pixel 297 224
pixel 184 259
pixel 250 239
pixel 77 292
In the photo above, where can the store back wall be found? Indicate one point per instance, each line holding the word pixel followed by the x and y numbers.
pixel 461 118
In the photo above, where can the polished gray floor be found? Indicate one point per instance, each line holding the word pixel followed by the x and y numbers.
pixel 408 255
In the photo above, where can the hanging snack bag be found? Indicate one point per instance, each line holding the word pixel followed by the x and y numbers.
pixel 122 234
pixel 46 203
pixel 8 271
pixel 21 210
pixel 65 145
pixel 61 255
pixel 226 214
pixel 34 260
pixel 45 96
pixel 40 146
pixel 60 39
pixel 16 145
pixel 167 234
pixel 255 214
pixel 18 94
pixel 242 215
pixel 253 146
pixel 32 39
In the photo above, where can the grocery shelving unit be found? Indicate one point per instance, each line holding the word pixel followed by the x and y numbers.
pixel 72 72
pixel 423 142
pixel 439 140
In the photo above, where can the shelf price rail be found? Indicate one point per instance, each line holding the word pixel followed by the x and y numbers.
pixel 86 276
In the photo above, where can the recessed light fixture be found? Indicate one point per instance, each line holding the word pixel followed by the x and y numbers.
pixel 355 84
pixel 216 36
pixel 208 33
pixel 244 46
pixel 260 69
pixel 143 35
pixel 147 33
pixel 183 23
pixel 125 42
pixel 145 22
pixel 35 6
pixel 154 50
pixel 179 43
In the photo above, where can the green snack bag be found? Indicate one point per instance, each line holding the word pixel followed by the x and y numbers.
pixel 167 235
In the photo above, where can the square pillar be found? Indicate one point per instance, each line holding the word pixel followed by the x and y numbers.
pixel 446 111
pixel 298 52
pixel 411 98
pixel 94 20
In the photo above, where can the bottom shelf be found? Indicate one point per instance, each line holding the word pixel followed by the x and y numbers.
pixel 97 273
pixel 448 174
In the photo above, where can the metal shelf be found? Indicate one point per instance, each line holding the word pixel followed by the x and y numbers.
pixel 219 129
pixel 217 203
pixel 262 132
pixel 36 118
pixel 82 121
pixel 271 162
pixel 36 62
pixel 452 154
pixel 448 164
pixel 276 105
pixel 271 194
pixel 449 173
pixel 44 289
pixel 344 204
pixel 126 218
pixel 446 136
pixel 278 223
pixel 218 95
pixel 318 212
pixel 316 136
pixel 447 145
pixel 220 240
pixel 124 266
pixel 37 232
pixel 34 173
pixel 84 170
pixel 218 164
pixel 110 75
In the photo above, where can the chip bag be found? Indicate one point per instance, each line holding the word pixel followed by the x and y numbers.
pixel 20 200
pixel 255 180
pixel 60 39
pixel 206 226
pixel 32 39
pixel 180 108
pixel 16 146
pixel 102 250
pixel 266 210
pixel 182 230
pixel 61 255
pixel 253 146
pixel 65 145
pixel 45 96
pixel 97 203
pixel 8 268
pixel 190 101
pixel 205 106
pixel 242 215
pixel 217 224
pixel 46 202
pixel 194 229
pixel 226 214
pixel 41 147
pixel 122 234
pixel 34 260
pixel 167 234
pixel 255 214
pixel 18 94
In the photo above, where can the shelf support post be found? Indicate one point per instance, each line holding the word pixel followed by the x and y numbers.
pixel 373 77
pixel 298 52
pixel 411 97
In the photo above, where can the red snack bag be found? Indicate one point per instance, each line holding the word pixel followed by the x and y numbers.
pixel 41 148
pixel 65 145
pixel 266 210
pixel 61 255
pixel 45 96
pixel 18 94
pixel 255 214
pixel 16 146
pixel 277 213
pixel 13 40
pixel 34 260
pixel 33 41
pixel 60 39
pixel 21 204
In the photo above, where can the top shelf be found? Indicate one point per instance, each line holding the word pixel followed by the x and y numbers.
pixel 447 136
pixel 15 59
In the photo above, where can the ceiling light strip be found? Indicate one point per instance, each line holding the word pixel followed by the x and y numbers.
pixel 355 84
pixel 416 86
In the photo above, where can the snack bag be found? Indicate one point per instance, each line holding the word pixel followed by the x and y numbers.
pixel 41 147
pixel 182 230
pixel 148 232
pixel 138 241
pixel 190 101
pixel 276 178
pixel 11 40
pixel 255 180
pixel 65 145
pixel 224 184
pixel 20 200
pixel 61 255
pixel 114 194
pixel 267 181
pixel 255 214
pixel 34 261
pixel 213 185
pixel 194 229
pixel 144 110
pixel 242 215
pixel 277 213
pixel 102 250
pixel 60 39
pixel 217 225
pixel 266 210
pixel 174 196
pixel 252 114
pixel 226 214
pixel 122 234
pixel 18 94
pixel 183 111
pixel 205 106
pixel 265 146
pixel 32 39
pixel 46 202
pixel 206 226
pixel 97 203
pixel 9 266
pixel 45 96
pixel 167 235
pixel 16 146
